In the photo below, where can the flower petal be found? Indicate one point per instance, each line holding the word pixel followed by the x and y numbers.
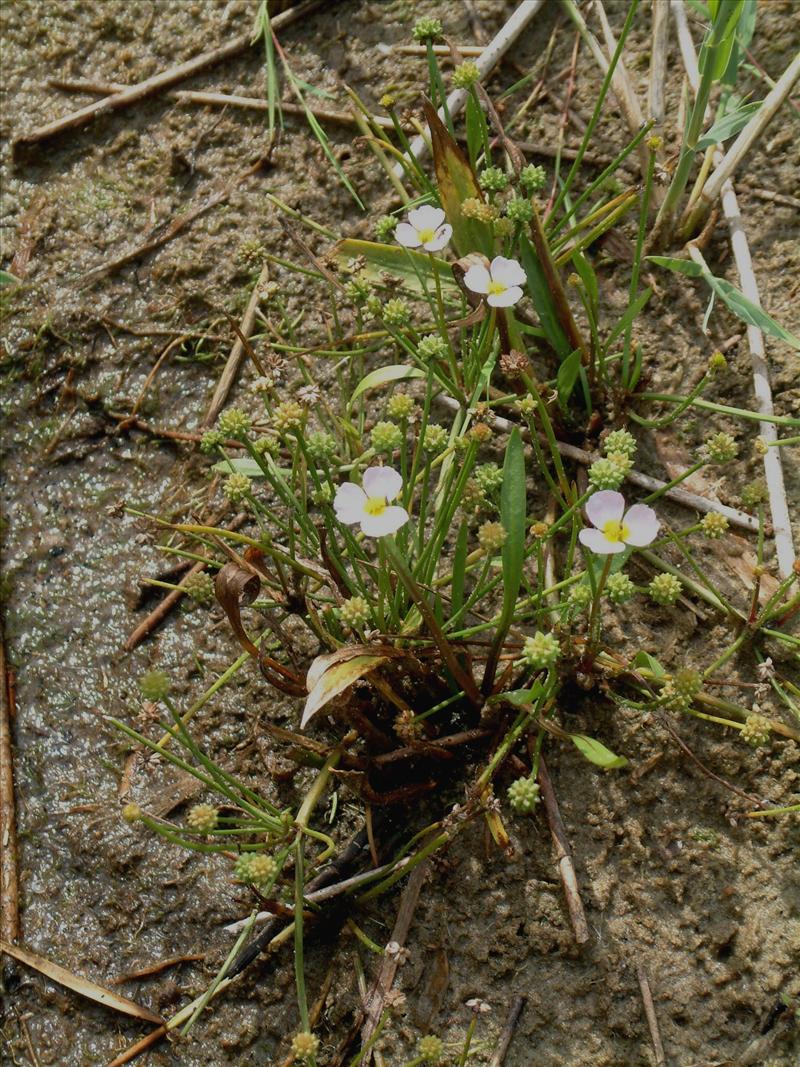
pixel 407 235
pixel 643 524
pixel 605 506
pixel 506 298
pixel 385 523
pixel 382 481
pixel 599 543
pixel 426 217
pixel 507 271
pixel 440 239
pixel 349 503
pixel 477 279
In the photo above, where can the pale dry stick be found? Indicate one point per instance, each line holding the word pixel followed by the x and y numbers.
pixel 644 481
pixel 620 82
pixel 174 343
pixel 152 86
pixel 189 96
pixel 658 62
pixel 566 868
pixel 507 1033
pixel 9 873
pixel 773 470
pixel 488 59
pixel 743 143
pixel 650 1012
pixel 237 353
pixel 373 1008
pixel 469 50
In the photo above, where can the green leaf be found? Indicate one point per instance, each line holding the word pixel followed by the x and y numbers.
pixel 738 303
pixel 727 126
pixel 517 697
pixel 457 182
pixel 650 663
pixel 542 300
pixel 459 569
pixel 567 377
pixel 396 372
pixel 586 273
pixel 597 753
pixel 402 263
pixel 243 465
pixel 513 514
pixel 630 315
pixel 7 278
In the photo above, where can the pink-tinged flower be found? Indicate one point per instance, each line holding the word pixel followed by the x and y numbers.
pixel 499 283
pixel 371 506
pixel 425 229
pixel 614 527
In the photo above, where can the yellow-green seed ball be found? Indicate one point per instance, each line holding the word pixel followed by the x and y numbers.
pixel 202 817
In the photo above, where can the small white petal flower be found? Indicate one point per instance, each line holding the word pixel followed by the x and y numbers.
pixel 425 228
pixel 500 284
pixel 370 506
pixel 614 527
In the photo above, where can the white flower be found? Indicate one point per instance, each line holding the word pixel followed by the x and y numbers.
pixel 500 284
pixel 615 528
pixel 425 227
pixel 371 506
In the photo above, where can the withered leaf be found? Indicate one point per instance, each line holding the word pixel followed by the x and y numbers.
pixel 236 587
pixel 330 674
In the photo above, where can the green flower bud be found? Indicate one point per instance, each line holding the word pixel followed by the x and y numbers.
pixel 386 436
pixel 287 416
pixel 607 473
pixel 713 524
pixel 502 227
pixel 493 179
pixel 620 442
pixel 491 536
pixel 431 1048
pixel 396 312
pixel 756 730
pixel 132 813
pixel 525 405
pixel 489 477
pixel 619 588
pixel 532 178
pixel 210 441
pixel 305 1045
pixel 435 438
pixel 432 347
pixel 427 28
pixel 664 589
pixel 267 445
pixel 400 406
pixel 716 363
pixel 200 587
pixel 385 227
pixel 523 795
pixel 355 612
pixel 721 448
pixel 202 817
pixel 236 487
pixel 322 496
pixel 321 445
pixel 754 494
pixel 251 254
pixel 466 75
pixel 519 210
pixel 580 597
pixel 155 685
pixel 540 651
pixel 234 423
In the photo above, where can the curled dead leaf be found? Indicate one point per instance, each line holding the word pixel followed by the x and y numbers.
pixel 333 673
pixel 237 587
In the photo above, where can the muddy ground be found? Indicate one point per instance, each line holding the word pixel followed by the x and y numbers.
pixel 674 880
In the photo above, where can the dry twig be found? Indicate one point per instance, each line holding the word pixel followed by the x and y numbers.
pixel 237 353
pixel 650 1015
pixel 9 875
pixel 566 868
pixel 507 1033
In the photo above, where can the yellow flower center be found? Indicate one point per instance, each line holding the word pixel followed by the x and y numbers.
pixel 375 505
pixel 426 235
pixel 496 288
pixel 616 530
